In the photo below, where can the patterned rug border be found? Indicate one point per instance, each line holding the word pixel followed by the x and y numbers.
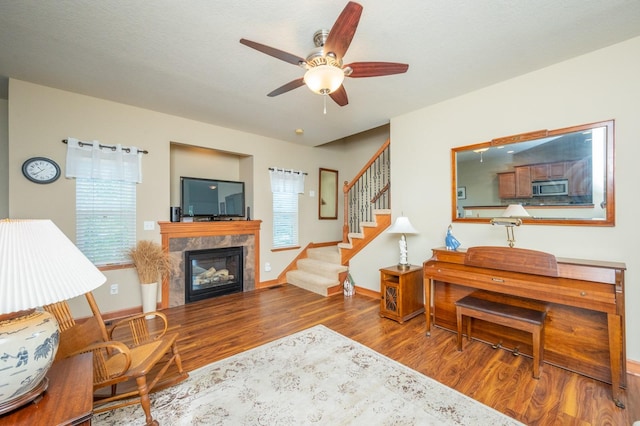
pixel 404 396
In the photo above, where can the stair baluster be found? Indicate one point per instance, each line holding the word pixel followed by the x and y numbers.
pixel 368 191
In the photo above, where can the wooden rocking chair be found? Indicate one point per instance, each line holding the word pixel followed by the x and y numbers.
pixel 115 362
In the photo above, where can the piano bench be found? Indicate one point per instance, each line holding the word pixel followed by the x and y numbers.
pixel 516 317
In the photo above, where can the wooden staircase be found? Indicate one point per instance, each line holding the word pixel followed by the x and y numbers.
pixel 322 268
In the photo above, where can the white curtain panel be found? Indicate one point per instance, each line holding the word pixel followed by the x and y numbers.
pixel 88 160
pixel 288 181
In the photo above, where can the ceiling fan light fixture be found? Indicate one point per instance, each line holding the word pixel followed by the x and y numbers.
pixel 325 70
pixel 324 79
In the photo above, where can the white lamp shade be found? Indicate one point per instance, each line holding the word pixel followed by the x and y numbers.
pixel 402 226
pixel 515 210
pixel 324 79
pixel 39 265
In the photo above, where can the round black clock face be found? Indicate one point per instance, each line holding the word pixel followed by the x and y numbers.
pixel 41 170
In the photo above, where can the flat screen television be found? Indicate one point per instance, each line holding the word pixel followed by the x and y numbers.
pixel 211 198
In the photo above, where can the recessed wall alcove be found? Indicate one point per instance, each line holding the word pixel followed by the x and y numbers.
pixel 178 237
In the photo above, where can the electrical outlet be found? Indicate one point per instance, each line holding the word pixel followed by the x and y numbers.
pixel 114 288
pixel 149 225
pixel 267 267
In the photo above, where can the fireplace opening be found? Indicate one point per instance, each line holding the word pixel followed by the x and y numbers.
pixel 213 272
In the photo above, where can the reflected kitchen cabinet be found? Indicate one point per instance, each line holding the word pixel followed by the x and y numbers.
pixel 579 179
pixel 557 170
pixel 548 171
pixel 523 182
pixel 507 185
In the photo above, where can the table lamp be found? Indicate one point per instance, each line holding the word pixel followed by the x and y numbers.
pixel 39 265
pixel 511 217
pixel 402 226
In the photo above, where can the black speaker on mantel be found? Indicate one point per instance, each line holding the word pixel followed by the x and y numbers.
pixel 175 214
pixel 248 213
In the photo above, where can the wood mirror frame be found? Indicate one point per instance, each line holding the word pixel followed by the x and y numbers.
pixel 575 164
pixel 328 194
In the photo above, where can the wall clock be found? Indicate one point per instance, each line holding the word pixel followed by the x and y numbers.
pixel 41 170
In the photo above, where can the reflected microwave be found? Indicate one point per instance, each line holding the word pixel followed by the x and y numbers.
pixel 548 188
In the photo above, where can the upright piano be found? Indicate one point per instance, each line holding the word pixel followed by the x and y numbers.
pixel 584 299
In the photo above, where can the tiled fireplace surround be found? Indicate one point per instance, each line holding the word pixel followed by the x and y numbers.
pixel 178 237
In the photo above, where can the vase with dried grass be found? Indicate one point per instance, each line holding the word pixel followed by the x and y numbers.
pixel 152 265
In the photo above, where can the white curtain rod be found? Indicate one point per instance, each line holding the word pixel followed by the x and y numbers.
pixel 111 147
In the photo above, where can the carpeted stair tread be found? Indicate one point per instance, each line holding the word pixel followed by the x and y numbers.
pixel 312 282
pixel 319 267
pixel 329 254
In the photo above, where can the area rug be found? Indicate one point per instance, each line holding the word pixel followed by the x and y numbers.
pixel 313 377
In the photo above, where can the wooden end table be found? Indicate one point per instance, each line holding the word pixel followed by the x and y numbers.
pixel 401 292
pixel 67 401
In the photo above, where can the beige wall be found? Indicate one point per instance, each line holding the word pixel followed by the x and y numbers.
pixel 4 159
pixel 40 117
pixel 598 86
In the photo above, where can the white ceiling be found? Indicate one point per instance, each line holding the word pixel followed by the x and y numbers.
pixel 184 57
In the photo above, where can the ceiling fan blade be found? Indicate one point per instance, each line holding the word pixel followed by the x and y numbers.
pixel 376 69
pixel 343 30
pixel 272 51
pixel 287 87
pixel 340 96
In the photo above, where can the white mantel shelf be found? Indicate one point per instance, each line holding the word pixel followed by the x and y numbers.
pixel 171 230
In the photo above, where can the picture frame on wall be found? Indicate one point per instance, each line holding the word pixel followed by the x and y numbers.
pixel 462 192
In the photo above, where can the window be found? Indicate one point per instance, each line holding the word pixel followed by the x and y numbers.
pixel 285 186
pixel 106 178
pixel 105 219
pixel 285 219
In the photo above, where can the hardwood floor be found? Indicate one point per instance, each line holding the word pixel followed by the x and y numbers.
pixel 217 328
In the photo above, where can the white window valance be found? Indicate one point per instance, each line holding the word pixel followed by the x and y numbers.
pixel 93 161
pixel 287 181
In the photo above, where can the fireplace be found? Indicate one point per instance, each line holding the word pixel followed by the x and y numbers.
pixel 179 237
pixel 213 272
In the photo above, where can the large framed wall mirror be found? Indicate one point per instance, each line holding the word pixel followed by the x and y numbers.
pixel 560 177
pixel 328 199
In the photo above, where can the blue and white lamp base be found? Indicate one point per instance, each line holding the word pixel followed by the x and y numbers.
pixel 28 346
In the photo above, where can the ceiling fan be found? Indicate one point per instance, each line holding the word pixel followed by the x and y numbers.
pixel 325 70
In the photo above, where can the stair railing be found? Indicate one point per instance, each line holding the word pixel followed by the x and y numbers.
pixel 369 190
